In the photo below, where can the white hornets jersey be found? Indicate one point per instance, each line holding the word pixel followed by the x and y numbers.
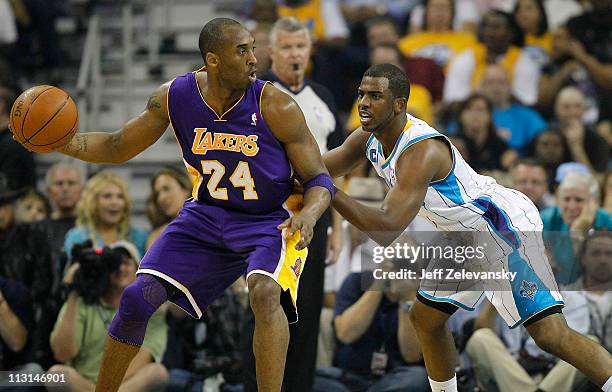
pixel 463 200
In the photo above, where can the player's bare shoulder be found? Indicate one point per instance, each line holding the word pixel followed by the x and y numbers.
pixel 282 114
pixel 158 101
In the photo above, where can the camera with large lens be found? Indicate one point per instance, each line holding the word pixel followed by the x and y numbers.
pixel 96 265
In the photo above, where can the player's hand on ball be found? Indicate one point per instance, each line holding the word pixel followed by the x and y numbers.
pixel 302 222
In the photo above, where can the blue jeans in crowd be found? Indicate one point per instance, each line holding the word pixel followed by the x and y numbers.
pixel 400 379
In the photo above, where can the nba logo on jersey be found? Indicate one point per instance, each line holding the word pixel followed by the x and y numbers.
pixel 254 119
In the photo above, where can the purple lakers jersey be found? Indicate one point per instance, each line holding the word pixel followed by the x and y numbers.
pixel 233 158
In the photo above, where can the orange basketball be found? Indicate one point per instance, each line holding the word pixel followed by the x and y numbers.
pixel 44 118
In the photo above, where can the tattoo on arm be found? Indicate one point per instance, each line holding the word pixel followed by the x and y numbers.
pixel 75 147
pixel 153 102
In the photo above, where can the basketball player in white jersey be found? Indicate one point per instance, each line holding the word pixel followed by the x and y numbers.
pixel 428 176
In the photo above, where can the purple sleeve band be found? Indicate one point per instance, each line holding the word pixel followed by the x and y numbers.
pixel 323 180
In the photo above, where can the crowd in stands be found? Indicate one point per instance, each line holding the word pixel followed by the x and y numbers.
pixel 522 88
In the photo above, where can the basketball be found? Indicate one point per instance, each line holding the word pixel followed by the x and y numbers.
pixel 44 118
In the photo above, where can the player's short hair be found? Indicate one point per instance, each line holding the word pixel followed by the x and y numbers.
pixel 212 37
pixel 288 24
pixel 398 81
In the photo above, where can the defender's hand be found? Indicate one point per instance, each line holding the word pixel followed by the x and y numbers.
pixel 302 222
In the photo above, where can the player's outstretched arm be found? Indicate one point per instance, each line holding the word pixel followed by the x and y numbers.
pixel 417 166
pixel 125 143
pixel 344 158
pixel 287 123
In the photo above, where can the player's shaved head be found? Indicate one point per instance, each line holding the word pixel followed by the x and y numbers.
pixel 212 36
pixel 398 81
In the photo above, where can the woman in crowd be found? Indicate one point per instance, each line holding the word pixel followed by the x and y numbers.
pixel 530 16
pixel 475 125
pixel 501 42
pixel 103 214
pixel 170 187
pixel 438 40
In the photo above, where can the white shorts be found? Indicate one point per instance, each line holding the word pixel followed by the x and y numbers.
pixel 514 249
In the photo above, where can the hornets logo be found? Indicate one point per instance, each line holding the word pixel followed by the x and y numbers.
pixel 528 290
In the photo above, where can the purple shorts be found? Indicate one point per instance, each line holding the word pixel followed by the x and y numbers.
pixel 206 248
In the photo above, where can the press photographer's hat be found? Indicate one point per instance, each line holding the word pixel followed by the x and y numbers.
pixel 6 193
pixel 368 190
pixel 127 247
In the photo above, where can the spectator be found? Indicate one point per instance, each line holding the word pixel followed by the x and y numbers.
pixel 324 19
pixel 170 188
pixel 465 16
pixel 529 177
pixel 606 198
pixel 531 18
pixel 563 69
pixel 591 46
pixel 97 279
pixel 360 11
pixel 585 145
pixel 421 71
pixel 595 256
pixel 550 148
pixel 516 123
pixel 438 40
pixel 17 163
pixel 17 315
pixel 508 360
pixel 475 124
pixel 25 257
pixel 32 207
pixel 576 213
pixel 103 214
pixel 501 43
pixel 38 30
pixel 377 344
pixel 24 251
pixel 64 181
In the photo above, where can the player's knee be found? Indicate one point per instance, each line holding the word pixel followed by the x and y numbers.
pixel 141 299
pixel 552 341
pixel 426 319
pixel 264 295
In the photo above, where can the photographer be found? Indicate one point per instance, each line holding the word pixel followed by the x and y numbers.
pixel 377 344
pixel 96 281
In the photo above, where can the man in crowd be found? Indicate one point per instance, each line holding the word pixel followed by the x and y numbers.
pixel 378 346
pixel 517 124
pixel 529 177
pixel 576 213
pixel 584 144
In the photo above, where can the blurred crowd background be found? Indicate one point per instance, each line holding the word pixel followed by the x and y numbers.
pixel 523 88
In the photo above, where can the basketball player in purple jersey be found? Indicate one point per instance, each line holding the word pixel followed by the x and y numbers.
pixel 241 140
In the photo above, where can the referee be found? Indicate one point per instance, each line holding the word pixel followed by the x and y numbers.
pixel 290 47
